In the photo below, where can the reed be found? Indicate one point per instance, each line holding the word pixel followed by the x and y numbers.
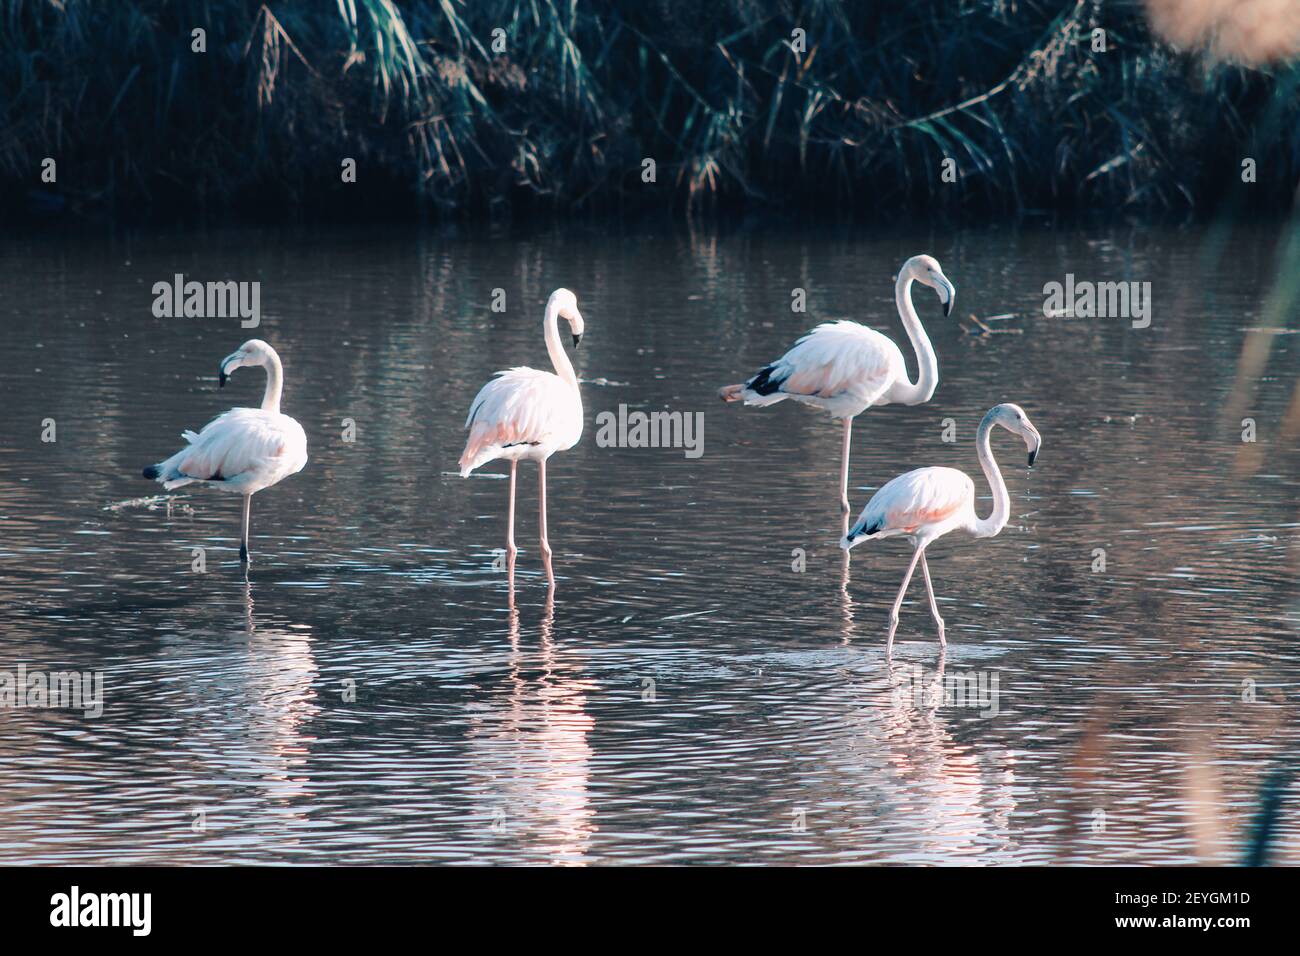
pixel 733 112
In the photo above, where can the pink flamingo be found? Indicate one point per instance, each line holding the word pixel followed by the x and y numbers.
pixel 846 368
pixel 527 414
pixel 927 503
pixel 244 450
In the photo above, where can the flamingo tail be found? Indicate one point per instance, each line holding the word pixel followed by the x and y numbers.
pixel 864 531
pixel 732 393
pixel 762 389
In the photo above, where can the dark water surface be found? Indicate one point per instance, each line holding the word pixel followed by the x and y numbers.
pixel 687 696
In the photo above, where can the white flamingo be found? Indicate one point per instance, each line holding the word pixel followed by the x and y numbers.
pixel 846 368
pixel 244 450
pixel 527 414
pixel 927 503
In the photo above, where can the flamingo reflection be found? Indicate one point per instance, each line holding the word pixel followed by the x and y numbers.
pixel 256 700
pixel 531 747
pixel 950 800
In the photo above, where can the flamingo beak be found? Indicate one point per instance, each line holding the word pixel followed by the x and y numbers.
pixel 1033 441
pixel 576 326
pixel 947 294
pixel 228 365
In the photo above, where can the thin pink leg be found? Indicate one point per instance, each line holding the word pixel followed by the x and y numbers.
pixel 510 522
pixel 546 545
pixel 934 607
pixel 898 601
pixel 844 471
pixel 511 550
pixel 243 536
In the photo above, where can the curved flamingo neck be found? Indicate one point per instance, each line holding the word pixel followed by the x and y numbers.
pixel 563 367
pixel 274 383
pixel 927 364
pixel 995 522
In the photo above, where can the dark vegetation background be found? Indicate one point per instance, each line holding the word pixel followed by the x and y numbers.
pixel 560 122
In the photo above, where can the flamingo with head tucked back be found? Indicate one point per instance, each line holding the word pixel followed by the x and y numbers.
pixel 846 368
pixel 244 450
pixel 528 414
pixel 927 503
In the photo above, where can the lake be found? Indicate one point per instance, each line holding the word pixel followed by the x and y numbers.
pixel 709 681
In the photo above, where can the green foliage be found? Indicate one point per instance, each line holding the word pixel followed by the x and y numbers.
pixel 715 92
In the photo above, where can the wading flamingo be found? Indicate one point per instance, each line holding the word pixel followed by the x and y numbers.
pixel 244 450
pixel 846 368
pixel 525 413
pixel 927 503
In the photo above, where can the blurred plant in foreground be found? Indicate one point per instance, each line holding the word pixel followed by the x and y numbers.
pixel 1240 31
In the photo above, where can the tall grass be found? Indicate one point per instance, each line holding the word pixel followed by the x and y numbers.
pixel 730 108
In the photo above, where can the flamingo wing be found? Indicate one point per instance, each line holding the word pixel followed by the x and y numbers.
pixel 915 500
pixel 834 359
pixel 520 406
pixel 241 443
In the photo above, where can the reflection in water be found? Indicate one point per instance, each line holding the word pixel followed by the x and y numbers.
pixel 260 701
pixel 531 751
pixel 846 597
pixel 280 703
pixel 374 693
pixel 961 800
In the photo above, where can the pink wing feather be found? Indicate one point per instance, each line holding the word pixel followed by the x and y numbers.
pixel 234 443
pixel 520 406
pixel 913 500
pixel 837 357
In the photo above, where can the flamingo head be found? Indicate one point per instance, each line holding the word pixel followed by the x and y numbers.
pixel 926 270
pixel 565 304
pixel 252 352
pixel 1013 418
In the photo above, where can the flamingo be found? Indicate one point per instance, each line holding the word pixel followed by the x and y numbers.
pixel 846 368
pixel 527 414
pixel 244 450
pixel 929 502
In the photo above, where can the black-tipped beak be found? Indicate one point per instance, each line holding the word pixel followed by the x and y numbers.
pixel 947 294
pixel 576 340
pixel 228 364
pixel 1033 457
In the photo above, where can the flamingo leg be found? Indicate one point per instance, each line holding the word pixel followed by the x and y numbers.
pixel 898 601
pixel 844 471
pixel 546 545
pixel 243 537
pixel 934 608
pixel 510 521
